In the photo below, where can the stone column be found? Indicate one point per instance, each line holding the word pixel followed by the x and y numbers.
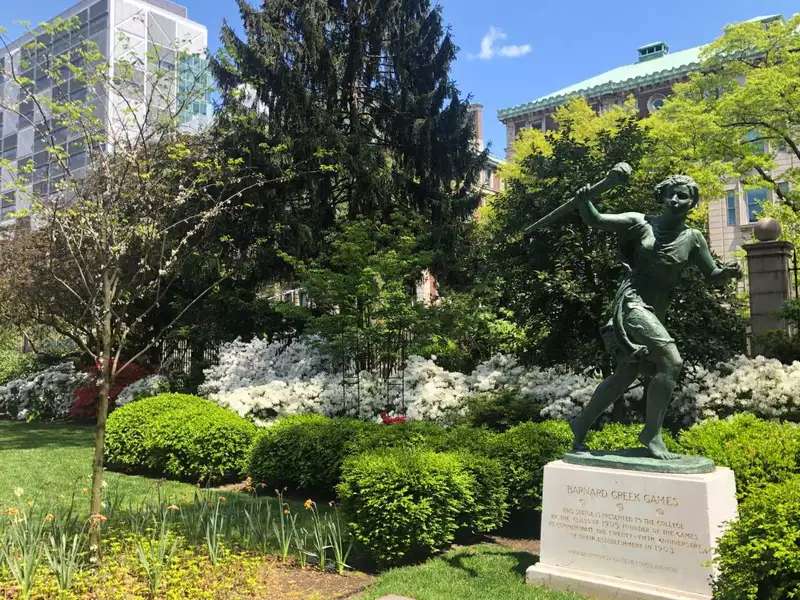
pixel 768 262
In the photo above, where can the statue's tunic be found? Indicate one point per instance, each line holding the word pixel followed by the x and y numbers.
pixel 655 258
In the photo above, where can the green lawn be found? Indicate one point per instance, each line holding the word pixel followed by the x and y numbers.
pixel 484 572
pixel 51 462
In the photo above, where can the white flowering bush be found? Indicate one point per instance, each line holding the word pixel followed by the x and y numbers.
pixel 152 385
pixel 47 394
pixel 258 362
pixel 262 381
pixel 763 386
pixel 560 392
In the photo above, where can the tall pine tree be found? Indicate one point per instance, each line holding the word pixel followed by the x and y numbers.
pixel 353 101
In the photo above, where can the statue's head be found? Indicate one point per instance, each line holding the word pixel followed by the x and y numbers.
pixel 677 193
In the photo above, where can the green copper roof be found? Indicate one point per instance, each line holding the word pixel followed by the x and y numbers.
pixel 647 72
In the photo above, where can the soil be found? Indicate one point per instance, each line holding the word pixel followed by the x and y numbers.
pixel 292 583
pixel 518 544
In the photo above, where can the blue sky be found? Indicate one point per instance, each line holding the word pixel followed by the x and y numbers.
pixel 513 51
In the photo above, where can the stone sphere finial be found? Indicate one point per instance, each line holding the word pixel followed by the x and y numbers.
pixel 767 230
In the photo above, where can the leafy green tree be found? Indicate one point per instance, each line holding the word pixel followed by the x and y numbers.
pixel 112 230
pixel 363 289
pixel 559 282
pixel 737 112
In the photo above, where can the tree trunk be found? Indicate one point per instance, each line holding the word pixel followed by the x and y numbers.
pixel 96 504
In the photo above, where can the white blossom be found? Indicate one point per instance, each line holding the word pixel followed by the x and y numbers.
pixel 263 380
pixel 47 394
pixel 145 387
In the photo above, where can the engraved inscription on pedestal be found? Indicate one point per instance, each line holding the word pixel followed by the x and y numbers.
pixel 657 529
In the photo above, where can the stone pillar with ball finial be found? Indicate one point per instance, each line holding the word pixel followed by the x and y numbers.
pixel 769 277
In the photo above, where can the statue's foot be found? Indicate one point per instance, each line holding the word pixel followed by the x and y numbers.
pixel 579 438
pixel 656 447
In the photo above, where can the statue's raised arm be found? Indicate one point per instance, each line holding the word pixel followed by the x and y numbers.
pixel 616 176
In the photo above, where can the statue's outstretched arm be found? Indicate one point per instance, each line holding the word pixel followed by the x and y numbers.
pixel 594 218
pixel 709 267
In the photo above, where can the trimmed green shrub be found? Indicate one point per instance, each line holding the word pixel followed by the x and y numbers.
pixel 501 410
pixel 411 434
pixel 489 510
pixel 618 436
pixel 759 556
pixel 304 452
pixel 758 451
pixel 128 427
pixel 179 436
pixel 523 451
pixel 464 437
pixel 403 505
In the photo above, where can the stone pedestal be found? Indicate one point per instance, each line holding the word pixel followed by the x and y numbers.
pixel 613 534
pixel 770 285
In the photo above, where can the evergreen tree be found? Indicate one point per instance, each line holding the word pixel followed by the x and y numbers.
pixel 352 100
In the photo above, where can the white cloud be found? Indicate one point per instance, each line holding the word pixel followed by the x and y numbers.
pixel 489 49
pixel 515 51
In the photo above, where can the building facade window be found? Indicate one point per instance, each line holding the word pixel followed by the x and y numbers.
pixel 655 102
pixel 756 141
pixel 8 204
pixel 756 198
pixel 731 206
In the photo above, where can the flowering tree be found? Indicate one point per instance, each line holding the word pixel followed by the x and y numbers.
pixel 126 192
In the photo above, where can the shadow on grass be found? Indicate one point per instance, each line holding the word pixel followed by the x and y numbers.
pixel 458 561
pixel 27 436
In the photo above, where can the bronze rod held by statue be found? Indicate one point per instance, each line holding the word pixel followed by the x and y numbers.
pixel 619 174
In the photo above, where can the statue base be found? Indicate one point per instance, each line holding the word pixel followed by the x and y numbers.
pixel 639 459
pixel 614 534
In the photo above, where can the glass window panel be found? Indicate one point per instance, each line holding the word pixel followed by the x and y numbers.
pixel 40 189
pixel 731 207
pixel 755 200
pixel 98 8
pixel 41 159
pixel 77 161
pixel 98 24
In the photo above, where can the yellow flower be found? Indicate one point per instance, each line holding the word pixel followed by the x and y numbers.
pixel 49 518
pixel 172 507
pixel 18 491
pixel 308 504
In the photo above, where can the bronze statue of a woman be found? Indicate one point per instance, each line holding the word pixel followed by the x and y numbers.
pixel 655 249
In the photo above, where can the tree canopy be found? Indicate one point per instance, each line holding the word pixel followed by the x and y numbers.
pixel 735 115
pixel 559 281
pixel 353 98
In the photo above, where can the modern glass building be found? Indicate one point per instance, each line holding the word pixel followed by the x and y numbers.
pixel 137 36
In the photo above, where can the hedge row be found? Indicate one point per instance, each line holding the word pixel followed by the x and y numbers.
pixel 307 452
pixel 181 437
pixel 391 478
pixel 411 489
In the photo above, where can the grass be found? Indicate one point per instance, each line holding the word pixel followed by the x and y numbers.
pixel 470 573
pixel 51 462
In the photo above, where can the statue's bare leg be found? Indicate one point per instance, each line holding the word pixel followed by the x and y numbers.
pixel 604 396
pixel 668 364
